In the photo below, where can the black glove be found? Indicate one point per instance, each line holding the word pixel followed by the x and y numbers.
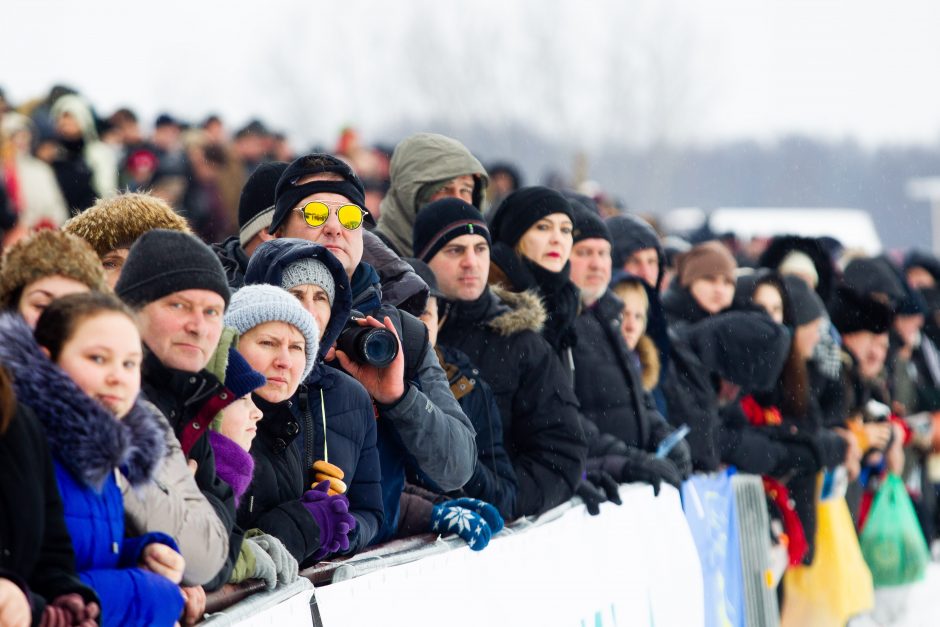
pixel 598 487
pixel 681 456
pixel 606 444
pixel 639 466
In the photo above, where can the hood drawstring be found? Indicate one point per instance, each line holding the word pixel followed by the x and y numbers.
pixel 326 455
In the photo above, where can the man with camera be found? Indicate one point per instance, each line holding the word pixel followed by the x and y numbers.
pixel 319 199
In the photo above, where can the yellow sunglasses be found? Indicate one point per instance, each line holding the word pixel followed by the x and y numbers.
pixel 317 212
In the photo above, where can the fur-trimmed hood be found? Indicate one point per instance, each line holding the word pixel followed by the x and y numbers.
pixel 83 435
pixel 524 311
pixel 650 365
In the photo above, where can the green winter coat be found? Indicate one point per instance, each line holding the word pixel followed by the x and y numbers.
pixel 420 160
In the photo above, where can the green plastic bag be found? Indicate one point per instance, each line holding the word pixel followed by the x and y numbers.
pixel 891 541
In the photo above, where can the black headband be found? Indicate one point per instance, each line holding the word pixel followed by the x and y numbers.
pixel 289 198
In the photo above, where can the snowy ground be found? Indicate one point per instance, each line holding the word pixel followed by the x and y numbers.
pixel 918 606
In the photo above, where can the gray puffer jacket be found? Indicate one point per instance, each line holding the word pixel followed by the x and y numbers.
pixel 174 504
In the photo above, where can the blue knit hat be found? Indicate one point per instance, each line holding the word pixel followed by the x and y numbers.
pixel 240 377
pixel 256 304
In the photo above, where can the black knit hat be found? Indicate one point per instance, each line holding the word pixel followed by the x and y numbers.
pixel 852 312
pixel 804 304
pixel 162 262
pixel 630 234
pixel 257 198
pixel 442 221
pixel 588 225
pixel 523 208
pixel 288 193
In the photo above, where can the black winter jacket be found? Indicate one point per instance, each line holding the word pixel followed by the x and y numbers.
pixel 234 261
pixel 746 348
pixel 607 381
pixel 500 333
pixel 35 547
pixel 272 502
pixel 283 465
pixel 494 479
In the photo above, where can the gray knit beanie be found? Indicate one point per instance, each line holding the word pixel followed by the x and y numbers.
pixel 309 271
pixel 256 304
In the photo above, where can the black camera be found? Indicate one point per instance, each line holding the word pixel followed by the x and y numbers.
pixel 367 345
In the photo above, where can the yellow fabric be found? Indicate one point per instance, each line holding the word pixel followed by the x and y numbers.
pixel 838 584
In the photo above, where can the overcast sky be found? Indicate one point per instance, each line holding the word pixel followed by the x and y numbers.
pixel 618 70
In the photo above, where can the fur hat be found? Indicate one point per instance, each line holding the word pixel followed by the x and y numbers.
pixel 118 221
pixel 44 254
pixel 852 312
pixel 875 275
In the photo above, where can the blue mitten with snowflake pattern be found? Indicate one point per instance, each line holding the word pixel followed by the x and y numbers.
pixel 489 513
pixel 466 523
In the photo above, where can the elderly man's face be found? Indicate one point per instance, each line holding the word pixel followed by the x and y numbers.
pixel 345 245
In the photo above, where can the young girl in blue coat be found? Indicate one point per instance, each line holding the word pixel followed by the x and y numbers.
pixel 81 377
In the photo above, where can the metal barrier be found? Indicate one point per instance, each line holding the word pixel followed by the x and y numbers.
pixel 760 597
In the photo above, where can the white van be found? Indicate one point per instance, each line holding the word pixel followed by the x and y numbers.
pixel 854 228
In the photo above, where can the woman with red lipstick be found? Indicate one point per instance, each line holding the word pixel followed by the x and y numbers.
pixel 532 238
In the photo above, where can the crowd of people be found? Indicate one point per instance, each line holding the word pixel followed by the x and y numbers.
pixel 219 362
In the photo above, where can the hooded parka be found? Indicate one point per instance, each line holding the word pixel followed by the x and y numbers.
pixel 283 459
pixel 420 160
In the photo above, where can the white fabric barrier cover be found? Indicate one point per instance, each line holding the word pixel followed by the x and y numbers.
pixel 633 565
pixel 289 605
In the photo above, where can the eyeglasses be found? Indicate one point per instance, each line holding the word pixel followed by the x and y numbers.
pixel 317 212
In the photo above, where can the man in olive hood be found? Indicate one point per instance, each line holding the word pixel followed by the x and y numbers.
pixel 426 167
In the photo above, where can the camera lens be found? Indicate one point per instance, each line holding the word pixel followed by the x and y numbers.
pixel 368 345
pixel 379 347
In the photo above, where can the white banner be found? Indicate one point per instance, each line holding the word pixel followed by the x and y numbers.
pixel 633 565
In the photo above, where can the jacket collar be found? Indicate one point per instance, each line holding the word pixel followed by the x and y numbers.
pixel 83 436
pixel 187 390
